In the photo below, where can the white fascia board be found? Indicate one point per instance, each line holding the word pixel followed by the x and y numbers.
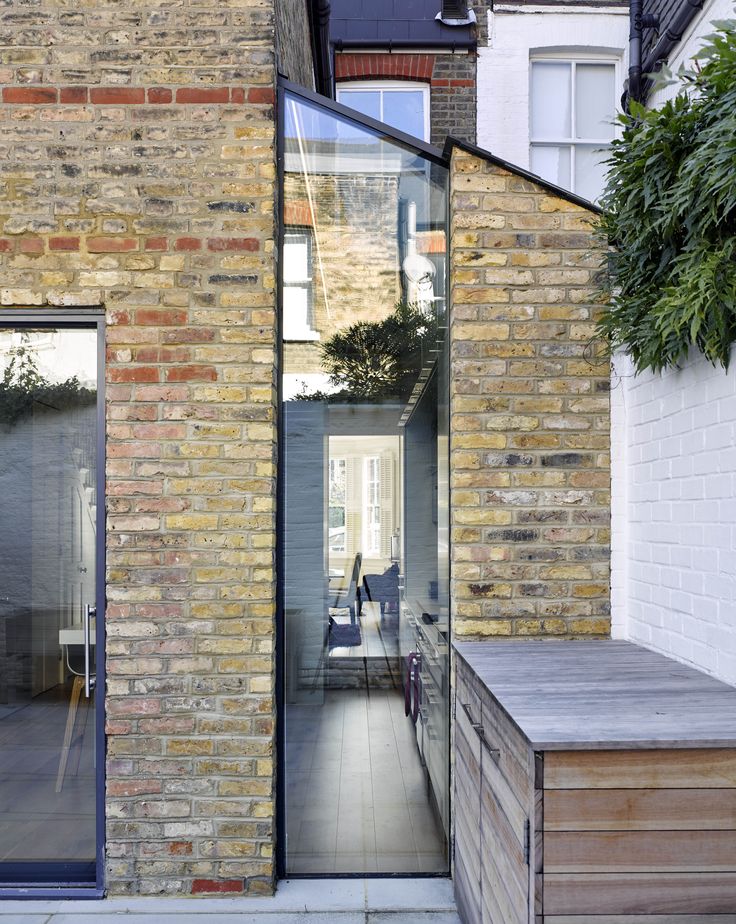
pixel 547 10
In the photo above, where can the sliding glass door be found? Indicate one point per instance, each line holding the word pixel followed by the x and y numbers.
pixel 49 600
pixel 364 574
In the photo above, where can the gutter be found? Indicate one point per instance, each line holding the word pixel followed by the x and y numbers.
pixel 639 85
pixel 319 14
pixel 672 35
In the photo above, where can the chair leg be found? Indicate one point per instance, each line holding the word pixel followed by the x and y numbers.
pixel 70 719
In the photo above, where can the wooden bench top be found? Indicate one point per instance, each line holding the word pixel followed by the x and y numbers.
pixel 599 695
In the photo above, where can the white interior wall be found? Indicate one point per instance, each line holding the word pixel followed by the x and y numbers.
pixel 674 512
pixel 515 32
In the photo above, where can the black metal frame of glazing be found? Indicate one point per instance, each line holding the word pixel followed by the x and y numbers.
pixel 81 879
pixel 436 156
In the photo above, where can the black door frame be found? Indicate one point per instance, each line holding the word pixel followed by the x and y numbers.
pixel 62 879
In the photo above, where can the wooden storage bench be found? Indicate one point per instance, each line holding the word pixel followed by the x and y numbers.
pixel 594 783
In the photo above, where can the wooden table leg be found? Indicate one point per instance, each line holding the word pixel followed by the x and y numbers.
pixel 70 719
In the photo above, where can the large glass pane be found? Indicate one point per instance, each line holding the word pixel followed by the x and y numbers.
pixel 551 162
pixel 590 170
pixel 550 101
pixel 364 469
pixel 595 101
pixel 48 470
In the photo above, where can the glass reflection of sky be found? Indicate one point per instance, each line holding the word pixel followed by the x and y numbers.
pixel 320 142
pixel 322 130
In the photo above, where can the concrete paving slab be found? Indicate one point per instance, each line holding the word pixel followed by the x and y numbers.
pixel 409 895
pixel 414 917
pixel 25 918
pixel 192 917
pixel 312 901
pixel 295 895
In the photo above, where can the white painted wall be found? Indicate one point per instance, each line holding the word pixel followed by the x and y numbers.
pixel 516 33
pixel 692 41
pixel 674 512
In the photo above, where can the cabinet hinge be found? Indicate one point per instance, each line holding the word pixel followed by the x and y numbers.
pixel 527 841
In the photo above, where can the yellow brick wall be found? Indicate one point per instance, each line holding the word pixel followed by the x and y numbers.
pixel 139 176
pixel 530 460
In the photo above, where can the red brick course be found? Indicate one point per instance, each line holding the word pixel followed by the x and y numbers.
pixel 30 94
pixel 379 66
pixel 108 96
pixel 128 96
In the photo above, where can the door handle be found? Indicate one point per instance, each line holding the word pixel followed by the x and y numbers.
pixel 495 753
pixel 89 681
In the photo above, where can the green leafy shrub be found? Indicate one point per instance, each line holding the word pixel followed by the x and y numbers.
pixel 670 218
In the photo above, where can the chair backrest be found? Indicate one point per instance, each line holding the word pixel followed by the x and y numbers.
pixel 354 577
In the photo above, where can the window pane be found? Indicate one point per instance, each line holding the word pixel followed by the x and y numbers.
pixel 595 95
pixel 590 170
pixel 366 101
pixel 296 311
pixel 550 100
pixel 296 258
pixel 552 163
pixel 404 109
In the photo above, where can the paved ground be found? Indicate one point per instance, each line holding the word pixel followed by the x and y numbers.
pixel 332 901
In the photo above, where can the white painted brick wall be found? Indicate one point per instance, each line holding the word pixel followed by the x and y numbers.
pixel 674 512
pixel 516 32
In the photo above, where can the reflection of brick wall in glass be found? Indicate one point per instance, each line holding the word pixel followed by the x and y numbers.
pixel 354 254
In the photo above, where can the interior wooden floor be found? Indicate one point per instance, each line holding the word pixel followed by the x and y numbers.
pixel 36 822
pixel 357 797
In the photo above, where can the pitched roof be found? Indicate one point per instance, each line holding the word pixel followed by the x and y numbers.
pixel 393 22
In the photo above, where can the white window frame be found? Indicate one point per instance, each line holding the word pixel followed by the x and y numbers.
pixel 388 86
pixel 307 332
pixel 573 58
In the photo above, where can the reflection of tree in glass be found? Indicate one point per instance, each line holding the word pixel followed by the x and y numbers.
pixel 23 385
pixel 377 359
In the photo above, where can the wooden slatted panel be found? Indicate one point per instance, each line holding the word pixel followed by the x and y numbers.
pixel 467 779
pixel 501 904
pixel 640 851
pixel 631 893
pixel 516 759
pixel 710 768
pixel 503 864
pixel 503 799
pixel 639 809
pixel 642 919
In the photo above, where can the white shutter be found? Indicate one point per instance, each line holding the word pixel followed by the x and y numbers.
pixel 353 505
pixel 387 502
